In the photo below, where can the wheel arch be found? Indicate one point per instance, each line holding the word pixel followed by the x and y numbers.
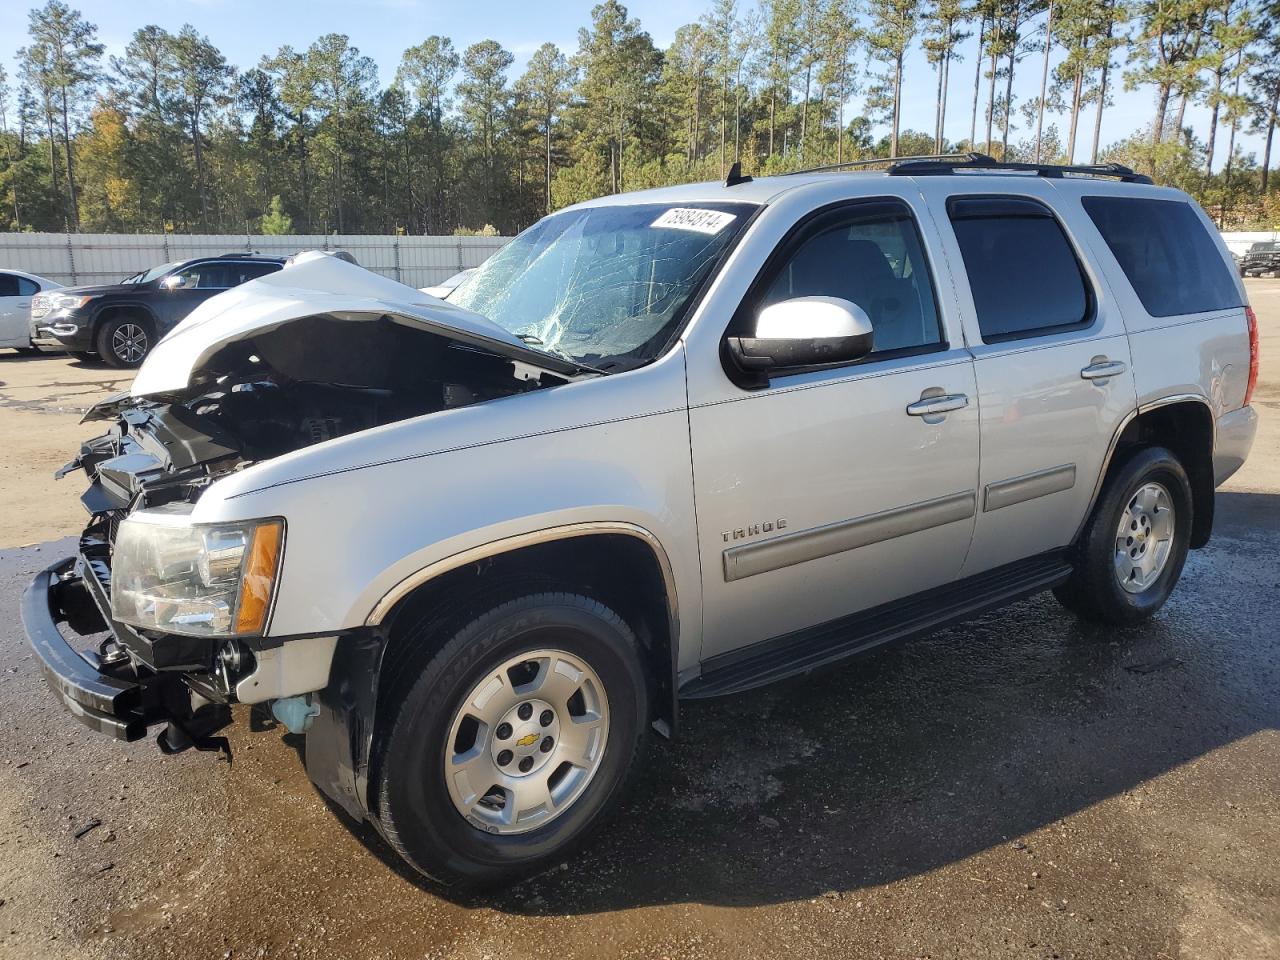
pixel 109 310
pixel 1185 424
pixel 621 564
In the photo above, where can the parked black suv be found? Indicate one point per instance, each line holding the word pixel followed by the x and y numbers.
pixel 120 322
pixel 1263 257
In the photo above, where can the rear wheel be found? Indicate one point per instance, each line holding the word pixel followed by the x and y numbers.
pixel 1133 547
pixel 514 740
pixel 124 341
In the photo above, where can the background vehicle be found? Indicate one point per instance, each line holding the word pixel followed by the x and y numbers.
pixel 16 290
pixel 121 322
pixel 442 290
pixel 1263 257
pixel 739 432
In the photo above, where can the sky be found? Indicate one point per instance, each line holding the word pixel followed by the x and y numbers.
pixel 246 29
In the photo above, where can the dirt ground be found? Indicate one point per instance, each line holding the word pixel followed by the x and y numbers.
pixel 1025 785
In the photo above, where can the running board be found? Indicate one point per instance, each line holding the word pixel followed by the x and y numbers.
pixel 828 643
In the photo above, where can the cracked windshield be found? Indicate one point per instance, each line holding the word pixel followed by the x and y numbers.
pixel 604 286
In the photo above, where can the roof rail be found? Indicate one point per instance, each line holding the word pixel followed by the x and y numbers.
pixel 849 164
pixel 935 166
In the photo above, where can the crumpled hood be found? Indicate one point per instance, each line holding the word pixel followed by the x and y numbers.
pixel 313 285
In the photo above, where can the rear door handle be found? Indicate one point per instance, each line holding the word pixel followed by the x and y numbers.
pixel 932 406
pixel 1100 368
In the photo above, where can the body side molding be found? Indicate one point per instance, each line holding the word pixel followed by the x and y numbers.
pixel 1029 486
pixel 749 559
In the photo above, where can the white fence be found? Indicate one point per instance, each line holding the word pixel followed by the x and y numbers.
pixel 88 258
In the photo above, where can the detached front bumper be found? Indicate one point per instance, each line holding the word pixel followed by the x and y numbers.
pixel 103 696
pixel 113 690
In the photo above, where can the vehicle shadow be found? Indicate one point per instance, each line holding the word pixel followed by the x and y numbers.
pixel 921 755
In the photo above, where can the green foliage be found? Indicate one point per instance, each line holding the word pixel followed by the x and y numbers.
pixel 275 222
pixel 172 137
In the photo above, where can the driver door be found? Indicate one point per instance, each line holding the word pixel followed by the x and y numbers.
pixel 832 490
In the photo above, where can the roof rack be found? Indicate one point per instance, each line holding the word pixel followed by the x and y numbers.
pixel 935 166
pixel 850 164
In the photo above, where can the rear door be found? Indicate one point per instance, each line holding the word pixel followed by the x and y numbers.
pixel 1051 359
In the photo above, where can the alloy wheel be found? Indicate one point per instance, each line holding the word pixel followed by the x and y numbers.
pixel 526 741
pixel 1144 538
pixel 129 342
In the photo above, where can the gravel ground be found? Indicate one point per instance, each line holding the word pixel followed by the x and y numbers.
pixel 1025 785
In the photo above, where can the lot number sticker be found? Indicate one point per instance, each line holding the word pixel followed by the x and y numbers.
pixel 700 221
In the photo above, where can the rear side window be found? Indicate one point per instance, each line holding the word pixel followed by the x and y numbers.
pixel 1024 275
pixel 1163 248
pixel 27 288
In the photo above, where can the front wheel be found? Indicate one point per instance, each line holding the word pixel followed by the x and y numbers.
pixel 1132 549
pixel 516 739
pixel 124 342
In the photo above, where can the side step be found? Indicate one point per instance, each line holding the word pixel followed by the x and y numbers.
pixel 814 647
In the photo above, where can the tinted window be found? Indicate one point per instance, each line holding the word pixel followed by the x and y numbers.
pixel 27 288
pixel 1164 249
pixel 873 258
pixel 205 276
pixel 8 285
pixel 1023 273
pixel 243 272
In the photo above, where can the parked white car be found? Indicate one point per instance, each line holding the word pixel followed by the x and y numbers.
pixel 446 287
pixel 661 446
pixel 16 290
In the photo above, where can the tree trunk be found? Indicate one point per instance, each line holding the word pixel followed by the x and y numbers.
pixel 773 103
pixel 1102 95
pixel 1163 92
pixel 547 173
pixel 1077 83
pixel 897 104
pixel 1044 78
pixel 1213 124
pixel 946 90
pixel 1271 129
pixel 71 172
pixel 991 95
pixel 199 158
pixel 977 85
pixel 804 106
pixel 937 111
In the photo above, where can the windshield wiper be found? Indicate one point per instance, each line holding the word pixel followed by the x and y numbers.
pixel 536 342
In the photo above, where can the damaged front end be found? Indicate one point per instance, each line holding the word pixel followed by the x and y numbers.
pixel 170 620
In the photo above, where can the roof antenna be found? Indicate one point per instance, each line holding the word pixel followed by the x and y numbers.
pixel 735 176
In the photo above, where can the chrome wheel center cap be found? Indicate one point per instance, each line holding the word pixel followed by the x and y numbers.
pixel 532 740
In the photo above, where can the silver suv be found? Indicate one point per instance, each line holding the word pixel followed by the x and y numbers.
pixel 661 446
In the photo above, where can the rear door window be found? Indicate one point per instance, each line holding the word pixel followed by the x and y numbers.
pixel 244 272
pixel 8 285
pixel 1023 272
pixel 1166 252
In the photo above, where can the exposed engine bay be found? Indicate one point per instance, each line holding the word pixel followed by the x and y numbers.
pixel 303 383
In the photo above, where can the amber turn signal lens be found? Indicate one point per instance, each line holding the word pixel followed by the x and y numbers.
pixel 259 577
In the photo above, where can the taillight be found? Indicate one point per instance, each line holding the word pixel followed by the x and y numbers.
pixel 1252 318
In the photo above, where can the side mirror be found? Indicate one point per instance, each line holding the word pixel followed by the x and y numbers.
pixel 804 332
pixel 171 283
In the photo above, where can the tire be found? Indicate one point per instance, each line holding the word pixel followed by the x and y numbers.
pixel 1110 588
pixel 431 721
pixel 124 341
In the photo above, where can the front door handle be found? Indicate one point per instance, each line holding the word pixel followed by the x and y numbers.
pixel 933 406
pixel 1101 369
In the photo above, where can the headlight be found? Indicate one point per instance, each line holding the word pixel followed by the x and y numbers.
pixel 64 301
pixel 215 580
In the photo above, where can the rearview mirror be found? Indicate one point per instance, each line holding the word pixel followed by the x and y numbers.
pixel 804 332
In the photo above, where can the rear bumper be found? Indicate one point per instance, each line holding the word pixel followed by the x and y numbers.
pixel 1235 434
pixel 104 698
